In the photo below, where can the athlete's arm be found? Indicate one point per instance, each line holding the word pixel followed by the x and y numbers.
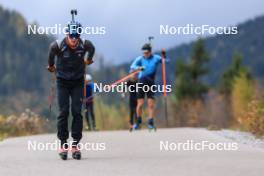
pixel 54 48
pixel 89 47
pixel 136 64
pixel 52 53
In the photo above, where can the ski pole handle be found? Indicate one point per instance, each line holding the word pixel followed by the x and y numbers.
pixel 163 53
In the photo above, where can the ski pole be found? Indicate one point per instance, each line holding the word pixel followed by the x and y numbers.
pixel 84 86
pixel 126 77
pixel 163 54
pixel 52 92
pixel 116 83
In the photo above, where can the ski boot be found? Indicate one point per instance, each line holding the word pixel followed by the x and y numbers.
pixel 88 128
pixel 131 127
pixel 94 128
pixel 137 126
pixel 151 125
pixel 76 153
pixel 63 152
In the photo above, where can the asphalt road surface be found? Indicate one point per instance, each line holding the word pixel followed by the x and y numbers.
pixel 132 154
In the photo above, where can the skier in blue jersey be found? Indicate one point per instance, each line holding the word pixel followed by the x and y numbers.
pixel 148 62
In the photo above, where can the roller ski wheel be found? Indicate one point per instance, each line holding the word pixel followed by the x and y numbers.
pixel 76 154
pixel 131 128
pixel 154 129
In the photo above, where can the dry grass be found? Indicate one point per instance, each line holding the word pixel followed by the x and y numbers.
pixel 27 123
pixel 254 117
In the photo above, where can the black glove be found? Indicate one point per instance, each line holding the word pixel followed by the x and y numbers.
pixel 163 53
pixel 141 68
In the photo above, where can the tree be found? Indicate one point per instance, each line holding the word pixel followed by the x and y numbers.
pixel 235 70
pixel 189 76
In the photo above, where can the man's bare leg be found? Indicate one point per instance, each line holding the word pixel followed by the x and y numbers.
pixel 140 103
pixel 151 108
pixel 151 112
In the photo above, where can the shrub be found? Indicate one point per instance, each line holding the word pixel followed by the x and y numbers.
pixel 27 123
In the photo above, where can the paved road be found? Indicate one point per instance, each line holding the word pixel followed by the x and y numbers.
pixel 135 154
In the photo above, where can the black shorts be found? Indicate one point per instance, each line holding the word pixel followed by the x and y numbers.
pixel 141 92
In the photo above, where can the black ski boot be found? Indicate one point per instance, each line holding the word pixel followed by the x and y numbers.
pixel 151 125
pixel 137 126
pixel 76 154
pixel 63 153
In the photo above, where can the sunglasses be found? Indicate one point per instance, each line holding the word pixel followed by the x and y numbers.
pixel 74 36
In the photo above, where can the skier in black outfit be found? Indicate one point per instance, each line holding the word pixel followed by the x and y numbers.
pixel 132 101
pixel 70 70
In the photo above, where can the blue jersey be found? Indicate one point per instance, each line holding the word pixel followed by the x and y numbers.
pixel 150 64
pixel 89 90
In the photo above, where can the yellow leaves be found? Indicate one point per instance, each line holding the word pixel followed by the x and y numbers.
pixel 242 95
pixel 248 107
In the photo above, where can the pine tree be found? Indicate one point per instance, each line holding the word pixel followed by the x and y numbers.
pixel 189 76
pixel 234 71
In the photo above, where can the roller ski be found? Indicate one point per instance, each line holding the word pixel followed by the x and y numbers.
pixel 137 126
pixel 76 154
pixel 131 127
pixel 151 125
pixel 63 153
pixel 91 129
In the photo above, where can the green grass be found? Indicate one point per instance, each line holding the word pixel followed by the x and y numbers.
pixel 1 137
